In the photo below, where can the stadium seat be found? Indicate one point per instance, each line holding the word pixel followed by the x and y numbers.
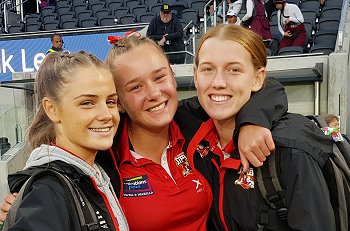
pixel 331 13
pixel 291 50
pixel 190 15
pixel 127 19
pixel 31 18
pixel 121 11
pixel 145 17
pixel 137 10
pixel 62 3
pixel 32 27
pixel 310 5
pixel 334 3
pixel 66 16
pixel 87 22
pixel 102 13
pixel 151 3
pixel 296 2
pixel 199 6
pixel 322 49
pixel 50 26
pixel 63 9
pixel 15 28
pixel 79 8
pixel 156 8
pixel 97 6
pixel 47 10
pixel 131 3
pixel 49 18
pixel 328 38
pixel 77 2
pixel 112 6
pixel 179 6
pixel 106 20
pixel 69 24
pixel 309 16
pixel 328 24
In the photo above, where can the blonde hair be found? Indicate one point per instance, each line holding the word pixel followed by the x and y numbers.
pixel 125 45
pixel 251 41
pixel 52 77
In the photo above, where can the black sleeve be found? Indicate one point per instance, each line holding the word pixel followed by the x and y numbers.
pixel 152 30
pixel 178 32
pixel 265 106
pixel 43 208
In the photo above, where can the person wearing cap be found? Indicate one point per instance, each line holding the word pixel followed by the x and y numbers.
pixel 290 24
pixel 232 18
pixel 166 30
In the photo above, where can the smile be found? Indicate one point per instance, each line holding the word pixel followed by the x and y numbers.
pixel 100 129
pixel 157 108
pixel 220 98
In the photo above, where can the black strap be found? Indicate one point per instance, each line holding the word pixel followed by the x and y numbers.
pixel 86 214
pixel 271 189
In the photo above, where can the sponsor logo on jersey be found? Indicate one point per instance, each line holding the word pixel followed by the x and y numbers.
pixel 246 179
pixel 137 186
pixel 182 163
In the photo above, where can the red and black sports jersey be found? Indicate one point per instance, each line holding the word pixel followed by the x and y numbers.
pixel 154 200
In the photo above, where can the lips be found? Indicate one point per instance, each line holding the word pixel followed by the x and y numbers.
pixel 157 108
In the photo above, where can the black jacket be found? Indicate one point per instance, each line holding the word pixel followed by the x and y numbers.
pixel 48 201
pixel 157 29
pixel 303 150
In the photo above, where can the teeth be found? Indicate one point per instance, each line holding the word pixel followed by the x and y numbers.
pixel 219 98
pixel 153 109
pixel 100 129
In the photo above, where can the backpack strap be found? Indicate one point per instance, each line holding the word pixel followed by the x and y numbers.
pixel 271 189
pixel 86 214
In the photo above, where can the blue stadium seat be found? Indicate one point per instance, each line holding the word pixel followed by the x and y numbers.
pixel 331 13
pixel 113 5
pixel 179 6
pixel 131 3
pixel 291 50
pixel 50 26
pixel 151 3
pixel 137 10
pixel 121 11
pixel 156 8
pixel 328 24
pixel 102 13
pixel 328 38
pixel 49 18
pixel 199 6
pixel 66 16
pixel 310 5
pixel 325 49
pixel 190 15
pixel 146 17
pixel 87 22
pixel 32 27
pixel 15 28
pixel 106 20
pixel 31 18
pixel 79 8
pixel 69 24
pixel 127 19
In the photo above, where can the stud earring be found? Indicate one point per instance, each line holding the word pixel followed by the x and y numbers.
pixel 120 108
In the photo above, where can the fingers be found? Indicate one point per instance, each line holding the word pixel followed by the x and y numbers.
pixel 244 163
pixel 251 157
pixel 9 198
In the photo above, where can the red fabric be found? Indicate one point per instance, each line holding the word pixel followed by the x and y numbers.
pixel 300 40
pixel 152 200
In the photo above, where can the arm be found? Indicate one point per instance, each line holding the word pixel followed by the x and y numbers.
pixel 279 22
pixel 38 212
pixel 298 16
pixel 152 30
pixel 177 33
pixel 249 13
pixel 263 108
pixel 6 204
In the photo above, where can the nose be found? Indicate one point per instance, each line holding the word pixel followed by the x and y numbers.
pixel 219 80
pixel 104 113
pixel 153 93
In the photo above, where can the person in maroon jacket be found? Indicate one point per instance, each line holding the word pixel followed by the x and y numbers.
pixel 230 67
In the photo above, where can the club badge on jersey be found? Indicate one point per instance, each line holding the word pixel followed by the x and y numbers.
pixel 202 150
pixel 182 162
pixel 246 179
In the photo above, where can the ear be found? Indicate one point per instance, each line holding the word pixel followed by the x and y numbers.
pixel 195 75
pixel 120 107
pixel 259 79
pixel 51 109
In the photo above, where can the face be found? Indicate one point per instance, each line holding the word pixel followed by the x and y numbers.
pixel 334 124
pixel 146 87
pixel 231 19
pixel 165 17
pixel 225 78
pixel 57 41
pixel 87 116
pixel 279 6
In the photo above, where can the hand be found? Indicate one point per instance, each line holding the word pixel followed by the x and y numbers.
pixel 6 204
pixel 254 144
pixel 287 21
pixel 162 41
pixel 287 34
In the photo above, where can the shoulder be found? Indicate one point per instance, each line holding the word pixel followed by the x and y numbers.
pixel 298 132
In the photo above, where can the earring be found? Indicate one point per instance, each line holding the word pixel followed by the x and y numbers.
pixel 120 108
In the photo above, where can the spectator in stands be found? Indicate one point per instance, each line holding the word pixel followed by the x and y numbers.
pixel 232 17
pixel 167 31
pixel 77 116
pixel 57 43
pixel 256 19
pixel 230 67
pixel 290 24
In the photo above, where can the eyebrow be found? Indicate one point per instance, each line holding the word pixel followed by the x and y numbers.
pixel 210 63
pixel 137 78
pixel 92 96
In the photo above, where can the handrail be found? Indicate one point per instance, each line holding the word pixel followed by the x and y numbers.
pixel 192 37
pixel 205 14
pixel 341 29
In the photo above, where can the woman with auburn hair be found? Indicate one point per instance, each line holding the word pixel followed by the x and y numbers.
pixel 230 67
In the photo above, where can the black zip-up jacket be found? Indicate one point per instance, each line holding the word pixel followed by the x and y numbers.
pixel 157 29
pixel 49 201
pixel 303 150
